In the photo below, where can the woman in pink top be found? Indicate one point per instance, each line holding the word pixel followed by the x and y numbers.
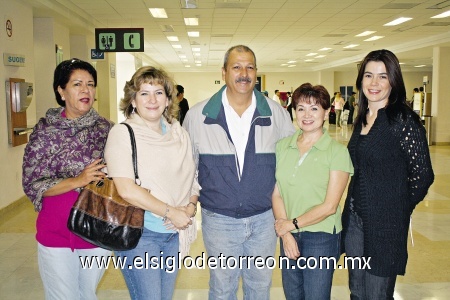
pixel 338 106
pixel 63 155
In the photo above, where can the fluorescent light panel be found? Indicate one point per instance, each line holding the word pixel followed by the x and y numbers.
pixel 374 38
pixel 365 33
pixel 291 66
pixel 172 38
pixel 320 56
pixel 351 46
pixel 311 54
pixel 397 21
pixel 191 21
pixel 291 61
pixel 324 49
pixel 420 66
pixel 193 33
pixel 159 13
pixel 443 15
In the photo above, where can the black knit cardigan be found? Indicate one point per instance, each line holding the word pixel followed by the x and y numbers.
pixel 395 175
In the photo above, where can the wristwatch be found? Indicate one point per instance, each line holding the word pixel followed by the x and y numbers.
pixel 295 222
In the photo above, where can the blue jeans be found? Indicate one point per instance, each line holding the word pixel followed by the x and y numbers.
pixel 362 284
pixel 147 283
pixel 232 239
pixel 311 282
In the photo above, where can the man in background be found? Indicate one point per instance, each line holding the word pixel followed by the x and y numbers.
pixel 183 103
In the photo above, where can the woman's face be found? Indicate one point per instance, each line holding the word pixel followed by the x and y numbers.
pixel 79 94
pixel 310 116
pixel 150 102
pixel 375 83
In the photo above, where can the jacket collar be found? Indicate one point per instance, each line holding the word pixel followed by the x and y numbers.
pixel 214 104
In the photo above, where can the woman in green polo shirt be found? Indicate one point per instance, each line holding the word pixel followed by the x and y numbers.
pixel 312 173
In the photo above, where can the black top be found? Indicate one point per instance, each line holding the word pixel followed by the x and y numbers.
pixel 184 107
pixel 394 175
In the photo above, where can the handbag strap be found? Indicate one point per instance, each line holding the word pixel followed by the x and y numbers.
pixel 133 153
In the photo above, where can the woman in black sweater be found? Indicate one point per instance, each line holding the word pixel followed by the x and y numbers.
pixel 393 172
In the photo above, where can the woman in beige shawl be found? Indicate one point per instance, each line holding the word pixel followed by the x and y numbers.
pixel 168 190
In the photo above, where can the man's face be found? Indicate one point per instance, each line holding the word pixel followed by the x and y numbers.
pixel 240 73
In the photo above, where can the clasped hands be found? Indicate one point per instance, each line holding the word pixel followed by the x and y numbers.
pixel 179 218
pixel 283 229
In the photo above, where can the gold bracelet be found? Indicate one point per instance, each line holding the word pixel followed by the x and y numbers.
pixel 195 208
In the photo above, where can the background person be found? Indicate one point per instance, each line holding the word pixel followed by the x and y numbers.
pixel 338 103
pixel 234 134
pixel 351 108
pixel 312 174
pixel 63 155
pixel 393 172
pixel 182 103
pixel 168 190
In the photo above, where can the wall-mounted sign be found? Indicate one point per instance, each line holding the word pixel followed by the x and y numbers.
pixel 10 59
pixel 119 39
pixel 95 54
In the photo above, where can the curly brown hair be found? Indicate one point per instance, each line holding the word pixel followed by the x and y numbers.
pixel 153 76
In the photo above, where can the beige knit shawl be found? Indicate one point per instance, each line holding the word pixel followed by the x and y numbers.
pixel 165 164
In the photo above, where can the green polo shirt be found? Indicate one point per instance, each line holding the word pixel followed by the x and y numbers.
pixel 303 183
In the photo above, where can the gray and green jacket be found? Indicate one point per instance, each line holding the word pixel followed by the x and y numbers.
pixel 224 190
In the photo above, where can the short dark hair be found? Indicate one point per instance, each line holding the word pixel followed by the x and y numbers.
pixel 308 93
pixel 180 89
pixel 276 91
pixel 238 48
pixel 63 72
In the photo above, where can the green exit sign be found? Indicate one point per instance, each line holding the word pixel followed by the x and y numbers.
pixel 119 39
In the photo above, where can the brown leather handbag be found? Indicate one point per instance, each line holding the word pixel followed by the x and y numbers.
pixel 101 217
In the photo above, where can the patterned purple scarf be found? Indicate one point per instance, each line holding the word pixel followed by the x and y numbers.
pixel 60 148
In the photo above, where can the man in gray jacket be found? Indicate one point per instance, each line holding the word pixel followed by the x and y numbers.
pixel 234 134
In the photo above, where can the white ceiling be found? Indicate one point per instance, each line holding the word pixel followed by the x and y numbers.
pixel 277 30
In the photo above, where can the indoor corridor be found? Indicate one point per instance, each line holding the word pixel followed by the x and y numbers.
pixel 427 274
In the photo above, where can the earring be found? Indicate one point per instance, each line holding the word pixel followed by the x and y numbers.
pixel 134 110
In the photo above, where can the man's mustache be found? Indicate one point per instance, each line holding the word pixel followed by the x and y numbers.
pixel 244 79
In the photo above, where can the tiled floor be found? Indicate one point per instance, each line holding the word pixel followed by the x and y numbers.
pixel 427 275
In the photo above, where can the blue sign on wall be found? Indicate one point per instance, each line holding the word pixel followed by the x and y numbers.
pixel 95 54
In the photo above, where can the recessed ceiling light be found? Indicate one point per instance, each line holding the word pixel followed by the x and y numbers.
pixel 401 63
pixel 420 66
pixel 291 66
pixel 291 61
pixel 187 66
pixel 351 46
pixel 197 54
pixel 324 49
pixel 196 49
pixel 309 60
pixel 182 56
pixel 397 21
pixel 198 65
pixel 283 65
pixel 159 13
pixel 191 21
pixel 193 33
pixel 311 54
pixel 443 15
pixel 176 46
pixel 172 38
pixel 365 33
pixel 374 38
pixel 198 61
pixel 184 60
pixel 319 56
